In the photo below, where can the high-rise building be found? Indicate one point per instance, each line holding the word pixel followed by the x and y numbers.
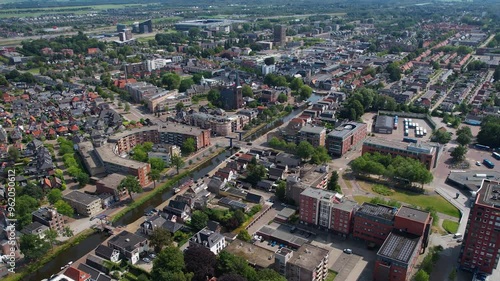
pixel 481 246
pixel 280 35
pixel 146 27
pixel 120 27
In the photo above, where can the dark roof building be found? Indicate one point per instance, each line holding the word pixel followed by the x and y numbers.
pixel 384 124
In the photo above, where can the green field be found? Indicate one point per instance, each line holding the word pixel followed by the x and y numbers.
pixel 331 275
pixel 450 226
pixel 32 12
pixel 423 201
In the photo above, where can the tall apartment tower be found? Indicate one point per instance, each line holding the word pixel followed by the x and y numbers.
pixel 280 35
pixel 481 245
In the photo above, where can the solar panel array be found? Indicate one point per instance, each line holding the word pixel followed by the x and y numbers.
pixel 398 247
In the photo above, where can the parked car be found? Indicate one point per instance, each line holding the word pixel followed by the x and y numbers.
pixel 457 235
pixel 152 256
pixel 348 251
pixel 146 260
pixel 478 163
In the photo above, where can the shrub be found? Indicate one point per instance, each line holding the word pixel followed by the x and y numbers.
pixel 382 190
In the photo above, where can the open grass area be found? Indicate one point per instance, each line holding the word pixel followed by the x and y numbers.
pixel 450 226
pixel 423 201
pixel 33 12
pixel 331 275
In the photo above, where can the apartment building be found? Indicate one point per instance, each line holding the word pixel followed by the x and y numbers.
pixel 314 135
pixel 308 263
pixel 84 204
pixel 49 217
pixel 397 257
pixel 373 223
pixel 424 153
pixel 326 209
pixel 480 250
pixel 345 137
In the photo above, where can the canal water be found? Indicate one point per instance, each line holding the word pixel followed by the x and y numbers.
pixel 76 252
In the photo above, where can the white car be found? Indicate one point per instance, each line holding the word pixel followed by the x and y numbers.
pixel 478 163
pixel 348 251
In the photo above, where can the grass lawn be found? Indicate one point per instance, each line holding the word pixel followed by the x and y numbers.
pixel 450 226
pixel 331 275
pixel 34 71
pixel 421 200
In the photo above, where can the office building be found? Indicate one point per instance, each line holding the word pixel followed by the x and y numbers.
pixel 480 250
pixel 308 263
pixel 314 135
pixel 280 35
pixel 232 97
pixel 424 153
pixel 83 203
pixel 345 137
pixel 326 209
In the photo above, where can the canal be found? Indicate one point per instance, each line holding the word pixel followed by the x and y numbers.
pixel 76 252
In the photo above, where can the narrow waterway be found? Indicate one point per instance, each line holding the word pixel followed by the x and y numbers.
pixel 76 252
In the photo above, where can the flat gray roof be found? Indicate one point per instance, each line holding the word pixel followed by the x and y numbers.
pixel 384 121
pixel 312 130
pixel 399 247
pixel 489 194
pixel 164 127
pixel 112 180
pixel 309 256
pixel 107 155
pixel 470 181
pixel 255 255
pixel 413 214
pixel 345 130
pixel 81 197
pixel 386 143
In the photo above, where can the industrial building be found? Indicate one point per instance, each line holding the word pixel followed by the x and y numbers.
pixel 383 124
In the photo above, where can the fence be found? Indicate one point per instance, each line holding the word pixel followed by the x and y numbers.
pixel 426 117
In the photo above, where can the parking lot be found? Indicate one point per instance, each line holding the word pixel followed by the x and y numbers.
pixel 398 134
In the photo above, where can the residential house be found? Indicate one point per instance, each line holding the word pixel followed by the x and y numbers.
pixel 211 240
pixel 108 253
pixel 129 245
pixel 179 209
pixel 154 222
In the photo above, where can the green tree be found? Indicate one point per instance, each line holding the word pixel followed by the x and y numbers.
pixel 282 98
pixel 463 139
pixel 459 153
pixel 421 276
pixel 244 236
pixel 33 247
pixel 13 153
pixel 213 96
pixel 333 183
pixel 394 71
pixel 83 179
pixel 490 130
pixel 305 92
pixel 67 232
pixel 189 146
pixel 281 191
pixel 296 84
pixel 131 185
pixel 442 136
pixel 185 84
pixel 201 261
pixel 54 196
pixel 199 220
pixel 320 156
pixel 154 175
pixel 256 172
pixel 171 80
pixel 160 238
pixel 177 161
pixel 269 61
pixel 51 236
pixel 127 107
pixel 239 216
pixel 157 163
pixel 169 265
pixel 269 275
pixel 464 131
pixel 305 150
pixel 247 91
pixel 179 106
pixel 64 208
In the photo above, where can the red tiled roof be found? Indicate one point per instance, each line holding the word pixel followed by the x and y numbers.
pixel 76 274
